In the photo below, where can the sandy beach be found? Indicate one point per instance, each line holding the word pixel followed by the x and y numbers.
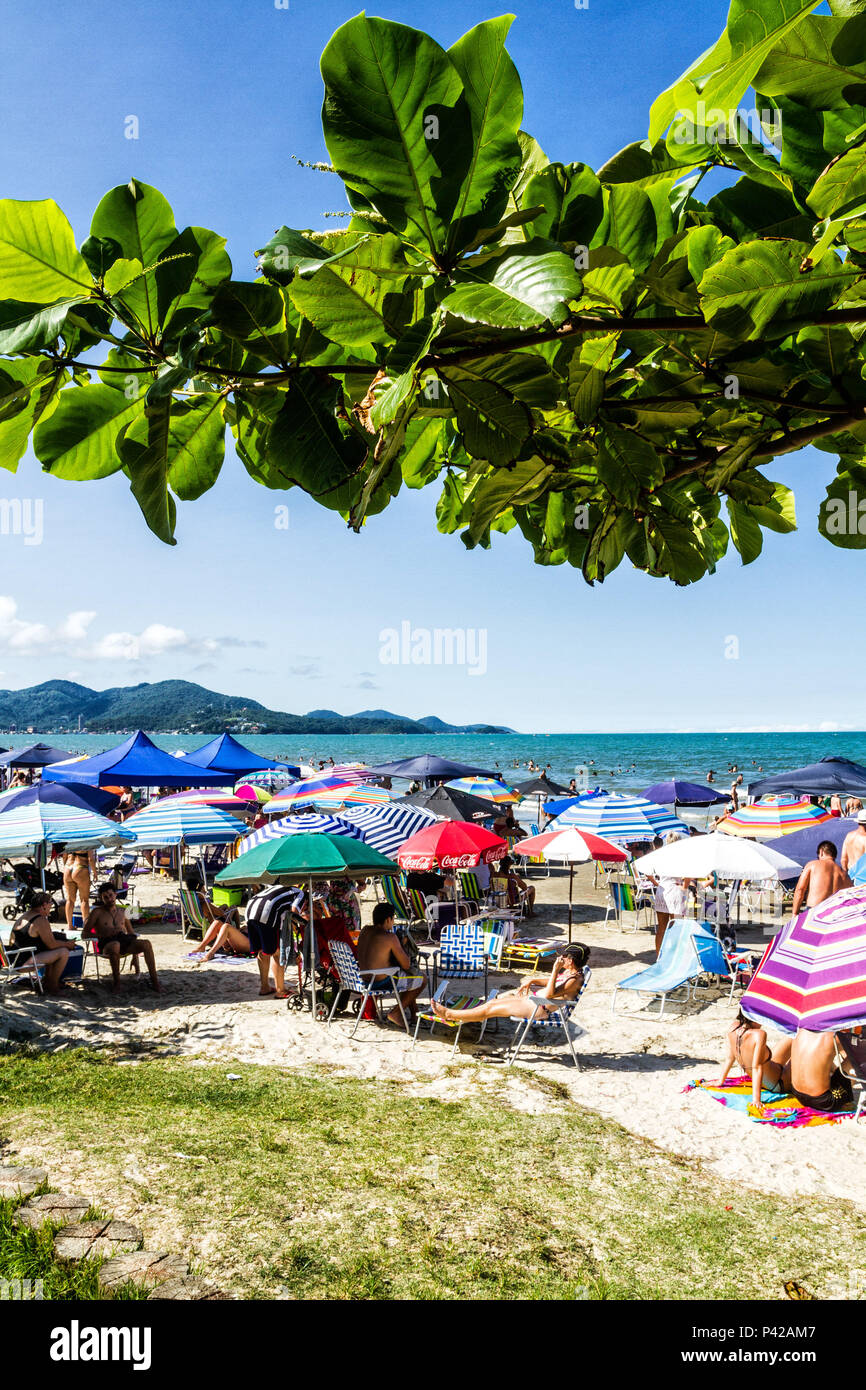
pixel 632 1069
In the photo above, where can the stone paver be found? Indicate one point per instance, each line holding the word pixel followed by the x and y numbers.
pixel 190 1289
pixel 142 1267
pixel 21 1182
pixel 78 1241
pixel 51 1206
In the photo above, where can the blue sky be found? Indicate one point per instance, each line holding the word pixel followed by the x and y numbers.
pixel 225 94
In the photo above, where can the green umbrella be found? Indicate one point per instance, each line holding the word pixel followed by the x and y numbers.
pixel 304 858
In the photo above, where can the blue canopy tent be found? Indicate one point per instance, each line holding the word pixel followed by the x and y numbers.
pixel 803 844
pixel 34 755
pixel 225 754
pixel 678 793
pixel 824 778
pixel 137 763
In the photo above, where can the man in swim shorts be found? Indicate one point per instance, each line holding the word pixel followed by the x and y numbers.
pixel 811 1073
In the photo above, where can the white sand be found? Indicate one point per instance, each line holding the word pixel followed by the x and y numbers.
pixel 632 1069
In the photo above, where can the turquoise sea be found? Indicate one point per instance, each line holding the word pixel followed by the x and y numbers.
pixel 618 762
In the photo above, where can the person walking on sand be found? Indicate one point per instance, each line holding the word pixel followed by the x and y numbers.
pixel 820 879
pixel 78 869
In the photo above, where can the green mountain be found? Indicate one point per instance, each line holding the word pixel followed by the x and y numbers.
pixel 186 708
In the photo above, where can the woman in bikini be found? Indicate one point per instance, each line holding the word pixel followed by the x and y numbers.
pixel 565 981
pixel 77 870
pixel 747 1045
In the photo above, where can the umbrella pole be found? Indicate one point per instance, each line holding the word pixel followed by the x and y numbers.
pixel 180 886
pixel 570 878
pixel 312 950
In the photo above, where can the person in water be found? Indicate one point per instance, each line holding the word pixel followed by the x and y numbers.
pixel 748 1046
pixel 565 981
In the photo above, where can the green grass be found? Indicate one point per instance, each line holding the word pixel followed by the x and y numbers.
pixel 313 1185
pixel 26 1254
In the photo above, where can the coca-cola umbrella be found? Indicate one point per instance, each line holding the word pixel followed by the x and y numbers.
pixel 571 846
pixel 451 844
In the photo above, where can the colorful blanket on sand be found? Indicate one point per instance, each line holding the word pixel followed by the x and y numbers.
pixel 736 1092
pixel 218 959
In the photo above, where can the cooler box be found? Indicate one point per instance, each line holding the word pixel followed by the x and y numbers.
pixel 227 897
pixel 75 965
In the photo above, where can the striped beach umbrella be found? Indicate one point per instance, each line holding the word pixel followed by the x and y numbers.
pixel 814 973
pixel 327 792
pixel 387 828
pixel 248 791
pixel 488 788
pixel 623 819
pixel 166 822
pixel 302 823
pixel 767 820
pixel 221 797
pixel 24 829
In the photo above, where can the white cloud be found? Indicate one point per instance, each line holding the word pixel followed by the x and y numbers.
pixel 74 627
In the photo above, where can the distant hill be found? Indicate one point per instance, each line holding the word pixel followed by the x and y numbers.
pixel 186 708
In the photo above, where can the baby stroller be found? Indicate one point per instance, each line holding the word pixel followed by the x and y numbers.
pixel 327 980
pixel 29 882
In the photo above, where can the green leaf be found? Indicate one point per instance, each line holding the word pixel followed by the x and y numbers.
pixel 820 63
pixel 99 254
pixel 628 465
pixel 27 327
pixel 306 444
pixel 641 164
pixel 493 424
pixel 779 514
pixel 494 98
pixel 586 374
pixel 285 252
pixel 841 189
pixel 842 514
pixel 629 224
pixel 502 489
pixel 352 300
pixel 143 450
pixel 120 274
pixel 39 261
pixel 395 126
pixel 253 314
pixel 188 444
pixel 522 287
pixel 758 282
pixel 423 452
pixel 79 440
pixel 449 508
pixel 29 390
pixel 573 204
pixel 191 269
pixel 745 530
pixel 140 220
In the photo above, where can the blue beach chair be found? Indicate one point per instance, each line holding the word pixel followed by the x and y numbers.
pixel 678 967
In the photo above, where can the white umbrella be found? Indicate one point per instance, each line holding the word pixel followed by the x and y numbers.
pixel 702 855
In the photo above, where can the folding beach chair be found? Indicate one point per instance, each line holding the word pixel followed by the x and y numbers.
pixel 678 966
pixel 527 954
pixel 452 998
pixel 535 860
pixel 360 983
pixel 192 916
pixel 470 888
pixel 396 896
pixel 560 1011
pixel 461 954
pixel 90 942
pixel 19 961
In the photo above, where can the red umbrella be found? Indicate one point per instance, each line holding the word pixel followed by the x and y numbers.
pixel 451 844
pixel 571 846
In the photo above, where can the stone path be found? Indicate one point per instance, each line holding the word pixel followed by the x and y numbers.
pixel 118 1242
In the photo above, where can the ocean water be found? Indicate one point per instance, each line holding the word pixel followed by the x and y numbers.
pixel 617 762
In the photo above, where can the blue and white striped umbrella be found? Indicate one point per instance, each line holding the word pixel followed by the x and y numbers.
pixel 387 828
pixel 305 822
pixel 24 828
pixel 620 818
pixel 174 822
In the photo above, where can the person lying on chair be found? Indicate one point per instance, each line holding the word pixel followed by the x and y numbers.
pixel 563 983
pixel 225 932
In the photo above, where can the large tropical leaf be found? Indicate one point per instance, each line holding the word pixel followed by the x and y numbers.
pixel 306 444
pixel 752 284
pixel 493 423
pixel 39 261
pixel 520 288
pixel 79 440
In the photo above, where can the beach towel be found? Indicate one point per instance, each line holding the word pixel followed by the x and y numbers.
pixel 219 959
pixel 736 1093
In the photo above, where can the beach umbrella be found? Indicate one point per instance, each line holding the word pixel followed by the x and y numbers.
pixel 248 791
pixel 178 824
pixel 803 844
pixel 304 859
pixel 137 762
pixel 272 781
pixel 451 844
pixel 34 755
pixel 86 798
pixel 428 767
pixel 827 777
pixel 571 846
pixel 40 825
pixel 448 804
pixel 768 820
pixel 700 856
pixel 299 823
pixel 352 772
pixel 225 754
pixel 620 818
pixel 223 798
pixel 814 974
pixel 564 803
pixel 539 786
pixel 487 788
pixel 679 793
pixel 387 828
pixel 328 792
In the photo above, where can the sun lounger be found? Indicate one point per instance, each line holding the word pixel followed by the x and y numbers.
pixel 678 967
pixel 527 954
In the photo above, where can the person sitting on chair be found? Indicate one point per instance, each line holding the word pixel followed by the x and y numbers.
pixel 379 947
pixel 565 981
pixel 224 933
pixel 517 885
pixel 109 924
pixel 748 1045
pixel 33 930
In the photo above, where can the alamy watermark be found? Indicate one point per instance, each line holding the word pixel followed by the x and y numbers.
pixel 438 646
pixel 24 517
pixel 21 1290
pixel 714 126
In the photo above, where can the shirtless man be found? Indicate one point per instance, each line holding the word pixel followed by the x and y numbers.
pixel 854 844
pixel 379 948
pixel 820 879
pixel 108 922
pixel 811 1074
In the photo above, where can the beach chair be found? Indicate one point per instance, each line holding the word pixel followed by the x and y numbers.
pixel 677 967
pixel 853 1048
pixel 452 998
pixel 18 961
pixel 527 954
pixel 535 861
pixel 90 942
pixel 461 954
pixel 354 983
pixel 192 916
pixel 417 903
pixel 470 888
pixel 396 896
pixel 560 1020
